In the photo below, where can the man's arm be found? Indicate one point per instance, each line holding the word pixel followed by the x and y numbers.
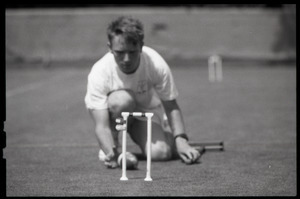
pixel 187 153
pixel 104 136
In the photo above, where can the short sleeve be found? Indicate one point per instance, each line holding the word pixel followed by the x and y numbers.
pixel 97 91
pixel 165 84
pixel 161 76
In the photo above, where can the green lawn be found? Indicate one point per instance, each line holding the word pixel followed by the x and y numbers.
pixel 52 151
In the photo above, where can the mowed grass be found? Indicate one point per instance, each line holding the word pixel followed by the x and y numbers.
pixel 52 151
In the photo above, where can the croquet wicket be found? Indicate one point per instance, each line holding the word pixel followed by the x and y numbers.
pixel 215 72
pixel 125 116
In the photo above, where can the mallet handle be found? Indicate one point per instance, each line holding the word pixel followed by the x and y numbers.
pixel 214 146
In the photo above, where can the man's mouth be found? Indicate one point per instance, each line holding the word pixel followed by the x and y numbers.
pixel 126 66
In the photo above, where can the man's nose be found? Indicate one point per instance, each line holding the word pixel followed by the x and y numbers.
pixel 126 57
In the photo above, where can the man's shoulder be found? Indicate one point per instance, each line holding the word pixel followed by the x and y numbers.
pixel 102 67
pixel 150 51
pixel 154 58
pixel 104 63
pixel 107 59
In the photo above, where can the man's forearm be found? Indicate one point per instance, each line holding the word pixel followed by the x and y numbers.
pixel 176 122
pixel 105 140
pixel 175 117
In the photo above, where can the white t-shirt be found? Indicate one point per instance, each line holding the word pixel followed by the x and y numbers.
pixel 151 82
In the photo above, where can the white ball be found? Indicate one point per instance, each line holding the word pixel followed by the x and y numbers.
pixel 131 161
pixel 119 127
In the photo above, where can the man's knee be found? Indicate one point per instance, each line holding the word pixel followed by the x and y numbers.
pixel 119 101
pixel 161 151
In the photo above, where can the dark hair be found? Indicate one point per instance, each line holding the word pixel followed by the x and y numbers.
pixel 132 29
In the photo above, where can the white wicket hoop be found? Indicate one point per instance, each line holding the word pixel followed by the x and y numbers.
pixel 215 72
pixel 125 116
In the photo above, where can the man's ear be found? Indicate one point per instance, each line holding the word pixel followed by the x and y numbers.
pixel 141 45
pixel 109 46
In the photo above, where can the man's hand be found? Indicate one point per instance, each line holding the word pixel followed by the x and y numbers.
pixel 111 160
pixel 188 154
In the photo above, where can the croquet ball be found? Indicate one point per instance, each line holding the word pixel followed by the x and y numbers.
pixel 119 127
pixel 131 161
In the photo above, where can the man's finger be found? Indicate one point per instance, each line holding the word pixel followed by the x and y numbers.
pixel 111 164
pixel 201 150
pixel 192 157
pixel 196 156
pixel 108 164
pixel 108 157
pixel 190 154
pixel 186 159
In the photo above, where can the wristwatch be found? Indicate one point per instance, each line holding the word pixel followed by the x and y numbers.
pixel 182 135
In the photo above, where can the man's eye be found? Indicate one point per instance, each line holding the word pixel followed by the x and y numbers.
pixel 122 53
pixel 119 52
pixel 132 52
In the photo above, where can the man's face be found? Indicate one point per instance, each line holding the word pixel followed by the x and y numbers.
pixel 127 55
